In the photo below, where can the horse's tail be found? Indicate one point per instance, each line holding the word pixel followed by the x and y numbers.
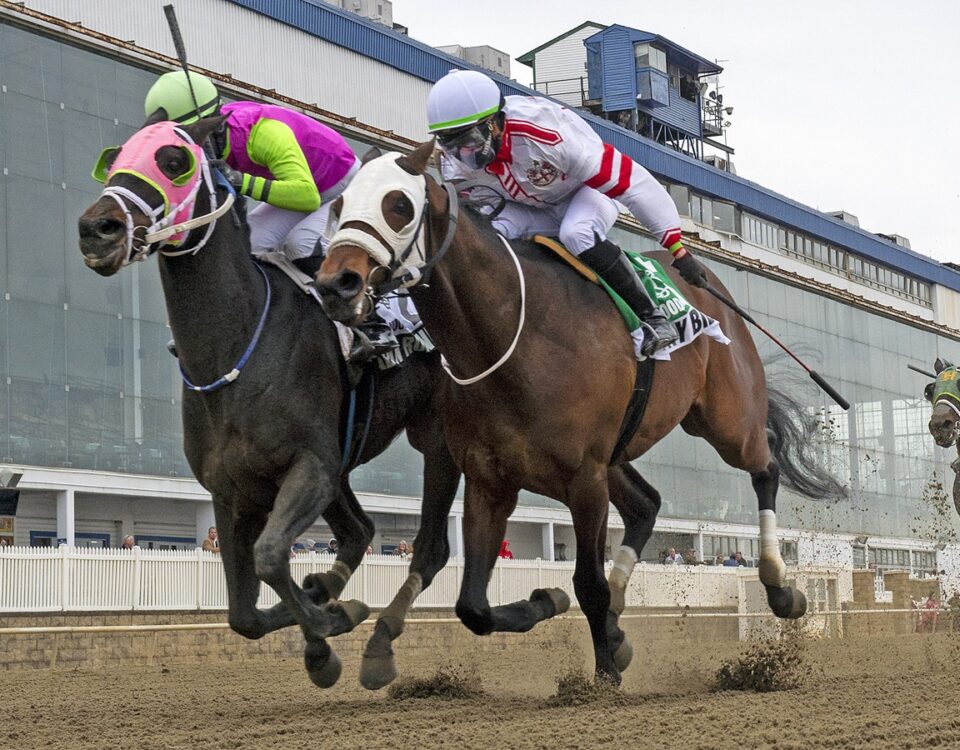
pixel 793 437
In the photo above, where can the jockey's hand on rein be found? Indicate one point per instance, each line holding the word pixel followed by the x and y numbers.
pixel 231 175
pixel 691 270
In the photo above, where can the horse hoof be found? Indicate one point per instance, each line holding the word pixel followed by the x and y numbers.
pixel 786 603
pixel 557 597
pixel 355 611
pixel 377 671
pixel 323 665
pixel 623 655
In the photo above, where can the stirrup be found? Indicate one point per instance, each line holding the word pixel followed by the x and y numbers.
pixel 659 332
pixel 370 342
pixel 172 348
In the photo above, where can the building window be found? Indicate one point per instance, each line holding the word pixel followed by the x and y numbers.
pixel 924 563
pixel 650 57
pixel 789 552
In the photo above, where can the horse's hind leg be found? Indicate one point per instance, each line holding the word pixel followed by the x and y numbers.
pixel 785 601
pixel 638 504
pixel 431 550
pixel 487 505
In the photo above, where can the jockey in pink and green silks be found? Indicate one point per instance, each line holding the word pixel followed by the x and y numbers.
pixel 293 164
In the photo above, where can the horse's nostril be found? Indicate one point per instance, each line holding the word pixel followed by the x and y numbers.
pixel 348 284
pixel 108 227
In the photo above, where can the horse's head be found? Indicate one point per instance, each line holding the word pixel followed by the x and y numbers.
pixel 379 244
pixel 945 397
pixel 151 183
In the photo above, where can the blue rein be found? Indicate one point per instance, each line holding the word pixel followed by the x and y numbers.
pixel 235 372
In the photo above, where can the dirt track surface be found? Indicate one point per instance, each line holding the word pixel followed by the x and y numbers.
pixel 889 693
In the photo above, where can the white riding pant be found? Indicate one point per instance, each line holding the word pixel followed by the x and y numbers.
pixel 293 233
pixel 576 221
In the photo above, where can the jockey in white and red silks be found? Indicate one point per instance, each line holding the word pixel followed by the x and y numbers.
pixel 557 178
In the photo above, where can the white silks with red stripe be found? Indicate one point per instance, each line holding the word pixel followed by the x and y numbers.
pixel 548 153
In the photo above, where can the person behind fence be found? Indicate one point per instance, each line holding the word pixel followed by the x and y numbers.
pixel 128 542
pixel 505 551
pixel 332 546
pixel 928 616
pixel 403 549
pixel 690 558
pixel 732 561
pixel 673 557
pixel 212 542
pixel 954 604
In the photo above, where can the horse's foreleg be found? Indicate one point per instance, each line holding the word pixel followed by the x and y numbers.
pixel 588 507
pixel 430 553
pixel 353 530
pixel 305 492
pixel 785 601
pixel 638 504
pixel 237 536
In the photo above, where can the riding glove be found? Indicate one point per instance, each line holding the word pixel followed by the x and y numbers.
pixel 230 174
pixel 691 270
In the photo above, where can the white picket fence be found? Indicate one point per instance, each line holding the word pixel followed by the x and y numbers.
pixel 73 579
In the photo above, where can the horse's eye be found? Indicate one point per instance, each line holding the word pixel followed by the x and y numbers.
pixel 403 206
pixel 928 391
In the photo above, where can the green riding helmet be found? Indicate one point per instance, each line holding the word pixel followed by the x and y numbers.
pixel 172 92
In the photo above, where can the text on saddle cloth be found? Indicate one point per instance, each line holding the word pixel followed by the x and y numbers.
pixel 690 322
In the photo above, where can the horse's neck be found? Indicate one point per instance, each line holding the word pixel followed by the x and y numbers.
pixel 472 304
pixel 214 301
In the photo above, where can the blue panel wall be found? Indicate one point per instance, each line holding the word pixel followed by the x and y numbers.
pixel 653 89
pixel 681 114
pixel 619 85
pixel 594 71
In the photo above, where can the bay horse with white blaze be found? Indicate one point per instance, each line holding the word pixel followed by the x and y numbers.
pixel 264 437
pixel 546 415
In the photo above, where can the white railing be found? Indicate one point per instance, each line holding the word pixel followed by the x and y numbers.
pixel 36 579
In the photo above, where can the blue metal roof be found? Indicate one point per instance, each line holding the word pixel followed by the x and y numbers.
pixel 683 57
pixel 415 58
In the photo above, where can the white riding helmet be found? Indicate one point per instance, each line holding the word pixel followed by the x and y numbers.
pixel 461 98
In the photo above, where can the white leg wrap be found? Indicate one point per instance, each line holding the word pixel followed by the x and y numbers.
pixel 773 571
pixel 623 563
pixel 341 570
pixel 396 612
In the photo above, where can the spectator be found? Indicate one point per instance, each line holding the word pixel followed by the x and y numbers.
pixel 3 541
pixel 719 560
pixel 212 542
pixel 369 549
pixel 928 618
pixel 505 552
pixel 733 561
pixel 127 542
pixel 332 546
pixel 739 558
pixel 673 557
pixel 691 557
pixel 402 549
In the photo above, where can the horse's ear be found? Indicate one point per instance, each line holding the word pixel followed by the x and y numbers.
pixel 159 115
pixel 940 364
pixel 373 153
pixel 417 162
pixel 201 129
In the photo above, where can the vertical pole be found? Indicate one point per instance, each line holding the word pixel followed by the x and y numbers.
pixel 546 533
pixel 200 554
pixel 455 535
pixel 137 573
pixel 66 517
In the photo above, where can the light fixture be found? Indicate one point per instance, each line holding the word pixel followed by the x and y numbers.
pixel 713 94
pixel 862 539
pixel 729 110
pixel 727 123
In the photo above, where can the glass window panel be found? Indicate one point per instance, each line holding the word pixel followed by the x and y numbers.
pixel 35 249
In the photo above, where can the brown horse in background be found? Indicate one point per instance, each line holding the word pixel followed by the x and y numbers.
pixel 547 415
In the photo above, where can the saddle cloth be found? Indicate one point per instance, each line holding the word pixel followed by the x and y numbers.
pixel 690 322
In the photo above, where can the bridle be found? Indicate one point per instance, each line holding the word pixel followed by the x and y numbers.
pixel 402 255
pixel 163 227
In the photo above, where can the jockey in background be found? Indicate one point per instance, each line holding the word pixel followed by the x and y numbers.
pixel 557 178
pixel 294 165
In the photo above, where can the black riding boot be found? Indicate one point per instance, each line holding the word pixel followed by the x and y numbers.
pixel 616 269
pixel 371 339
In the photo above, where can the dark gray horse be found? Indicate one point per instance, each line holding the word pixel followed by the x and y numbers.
pixel 267 443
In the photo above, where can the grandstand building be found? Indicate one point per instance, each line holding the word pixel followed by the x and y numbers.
pixel 89 397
